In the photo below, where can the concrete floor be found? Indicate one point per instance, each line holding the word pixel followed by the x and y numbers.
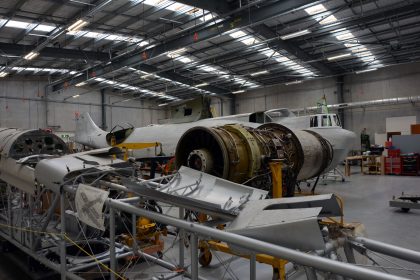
pixel 365 200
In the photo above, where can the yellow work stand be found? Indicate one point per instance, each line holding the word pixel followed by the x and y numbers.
pixel 279 265
pixel 137 146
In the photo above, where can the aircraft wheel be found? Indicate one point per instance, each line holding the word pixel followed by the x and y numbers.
pixel 405 210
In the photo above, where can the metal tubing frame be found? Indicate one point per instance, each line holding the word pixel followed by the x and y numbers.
pixel 63 267
pixel 181 240
pixel 112 242
pixel 305 259
pixel 388 249
pixel 194 256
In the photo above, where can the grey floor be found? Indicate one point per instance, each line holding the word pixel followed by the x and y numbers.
pixel 366 200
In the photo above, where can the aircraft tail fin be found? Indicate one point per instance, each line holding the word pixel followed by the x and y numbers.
pixel 88 133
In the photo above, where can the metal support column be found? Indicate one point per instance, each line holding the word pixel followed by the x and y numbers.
pixel 9 209
pixel 103 109
pixel 252 266
pixel 112 242
pixel 232 104
pixel 63 232
pixel 194 256
pixel 310 273
pixel 134 230
pixel 348 251
pixel 181 240
pixel 340 97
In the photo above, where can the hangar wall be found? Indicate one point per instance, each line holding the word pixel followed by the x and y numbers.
pixel 22 104
pixel 395 81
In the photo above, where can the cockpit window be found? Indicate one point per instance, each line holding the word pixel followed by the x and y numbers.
pixel 326 120
pixel 337 120
pixel 314 121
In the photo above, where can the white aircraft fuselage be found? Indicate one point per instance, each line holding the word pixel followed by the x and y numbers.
pixel 326 125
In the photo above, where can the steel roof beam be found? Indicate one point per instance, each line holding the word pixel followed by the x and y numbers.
pixel 222 7
pixel 194 35
pixel 20 50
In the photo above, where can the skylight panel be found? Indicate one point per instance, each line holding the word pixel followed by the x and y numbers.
pixel 178 7
pixel 368 58
pixel 359 49
pixel 183 59
pixel 44 28
pixel 95 35
pixel 267 52
pixel 142 43
pixel 315 9
pixel 344 36
pixel 237 34
pixel 206 17
pixel 176 53
pixel 281 59
pixel 154 2
pixel 17 24
pixel 290 63
pixel 249 41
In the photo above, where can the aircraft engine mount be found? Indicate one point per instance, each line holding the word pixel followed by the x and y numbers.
pixel 239 153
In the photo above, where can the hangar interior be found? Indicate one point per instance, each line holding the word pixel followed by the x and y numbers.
pixel 222 139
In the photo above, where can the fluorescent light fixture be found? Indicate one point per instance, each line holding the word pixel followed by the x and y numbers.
pixel 329 19
pixel 365 53
pixel 148 76
pixel 162 104
pixel 366 70
pixel 75 96
pixel 334 57
pixel 3 74
pixel 44 28
pixel 293 83
pixel 237 34
pixel 81 84
pixel 201 85
pixel 77 25
pixel 359 49
pixel 238 91
pixel 17 24
pixel 31 55
pixel 259 73
pixel 295 34
pixel 315 9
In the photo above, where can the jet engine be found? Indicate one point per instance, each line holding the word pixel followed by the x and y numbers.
pixel 240 153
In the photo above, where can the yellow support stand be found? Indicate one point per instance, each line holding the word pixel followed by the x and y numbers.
pixel 279 265
pixel 136 146
pixel 277 178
